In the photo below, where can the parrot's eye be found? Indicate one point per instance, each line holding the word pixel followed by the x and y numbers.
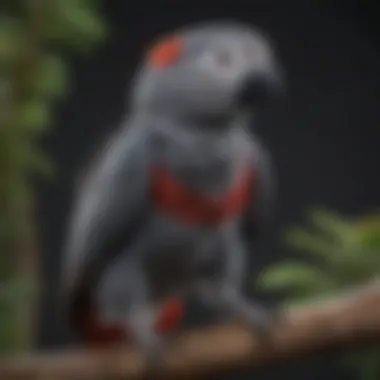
pixel 222 59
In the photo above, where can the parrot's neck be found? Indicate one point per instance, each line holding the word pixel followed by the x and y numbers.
pixel 198 127
pixel 210 124
pixel 188 133
pixel 208 160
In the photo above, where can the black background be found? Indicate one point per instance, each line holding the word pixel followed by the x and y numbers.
pixel 324 139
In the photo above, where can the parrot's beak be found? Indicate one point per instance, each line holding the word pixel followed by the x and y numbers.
pixel 258 88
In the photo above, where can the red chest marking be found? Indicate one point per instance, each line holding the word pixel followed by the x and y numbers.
pixel 173 198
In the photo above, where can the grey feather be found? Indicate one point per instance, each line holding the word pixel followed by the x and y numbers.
pixel 110 206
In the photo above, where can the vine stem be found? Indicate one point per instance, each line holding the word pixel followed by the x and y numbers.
pixel 26 256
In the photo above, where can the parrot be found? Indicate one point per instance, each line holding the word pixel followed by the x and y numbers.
pixel 175 202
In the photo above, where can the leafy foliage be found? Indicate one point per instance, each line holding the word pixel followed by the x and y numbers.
pixel 75 25
pixel 338 253
pixel 33 77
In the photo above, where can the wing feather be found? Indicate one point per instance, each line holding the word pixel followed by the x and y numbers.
pixel 111 208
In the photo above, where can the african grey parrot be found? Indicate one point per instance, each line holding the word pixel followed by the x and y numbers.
pixel 170 206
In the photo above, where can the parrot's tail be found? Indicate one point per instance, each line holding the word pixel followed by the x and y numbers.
pixel 98 335
pixel 85 322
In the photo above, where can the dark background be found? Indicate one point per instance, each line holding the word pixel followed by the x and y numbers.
pixel 324 139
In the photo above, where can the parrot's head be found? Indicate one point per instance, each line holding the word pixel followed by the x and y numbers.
pixel 208 72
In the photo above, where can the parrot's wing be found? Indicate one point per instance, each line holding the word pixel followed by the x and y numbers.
pixel 257 223
pixel 112 205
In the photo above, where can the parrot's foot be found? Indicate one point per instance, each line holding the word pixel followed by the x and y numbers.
pixel 153 353
pixel 149 343
pixel 261 320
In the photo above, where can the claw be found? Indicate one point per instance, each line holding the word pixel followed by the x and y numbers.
pixel 261 320
pixel 154 356
pixel 152 351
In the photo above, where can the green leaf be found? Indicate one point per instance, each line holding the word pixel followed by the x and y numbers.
pixel 12 42
pixel 34 116
pixel 31 160
pixel 73 23
pixel 332 224
pixel 346 262
pixel 369 233
pixel 301 279
pixel 351 255
pixel 76 25
pixel 51 78
pixel 309 242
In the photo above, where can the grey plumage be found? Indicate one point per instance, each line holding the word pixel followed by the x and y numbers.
pixel 125 254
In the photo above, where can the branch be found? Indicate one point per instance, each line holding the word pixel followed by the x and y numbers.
pixel 347 321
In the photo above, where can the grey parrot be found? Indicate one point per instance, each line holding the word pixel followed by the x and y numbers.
pixel 171 206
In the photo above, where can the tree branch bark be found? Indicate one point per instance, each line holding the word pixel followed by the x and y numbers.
pixel 347 321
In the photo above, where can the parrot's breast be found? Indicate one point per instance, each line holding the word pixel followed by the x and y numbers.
pixel 175 199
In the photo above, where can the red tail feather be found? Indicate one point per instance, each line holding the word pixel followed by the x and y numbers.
pixel 98 335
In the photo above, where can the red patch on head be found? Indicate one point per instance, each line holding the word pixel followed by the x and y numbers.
pixel 165 53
